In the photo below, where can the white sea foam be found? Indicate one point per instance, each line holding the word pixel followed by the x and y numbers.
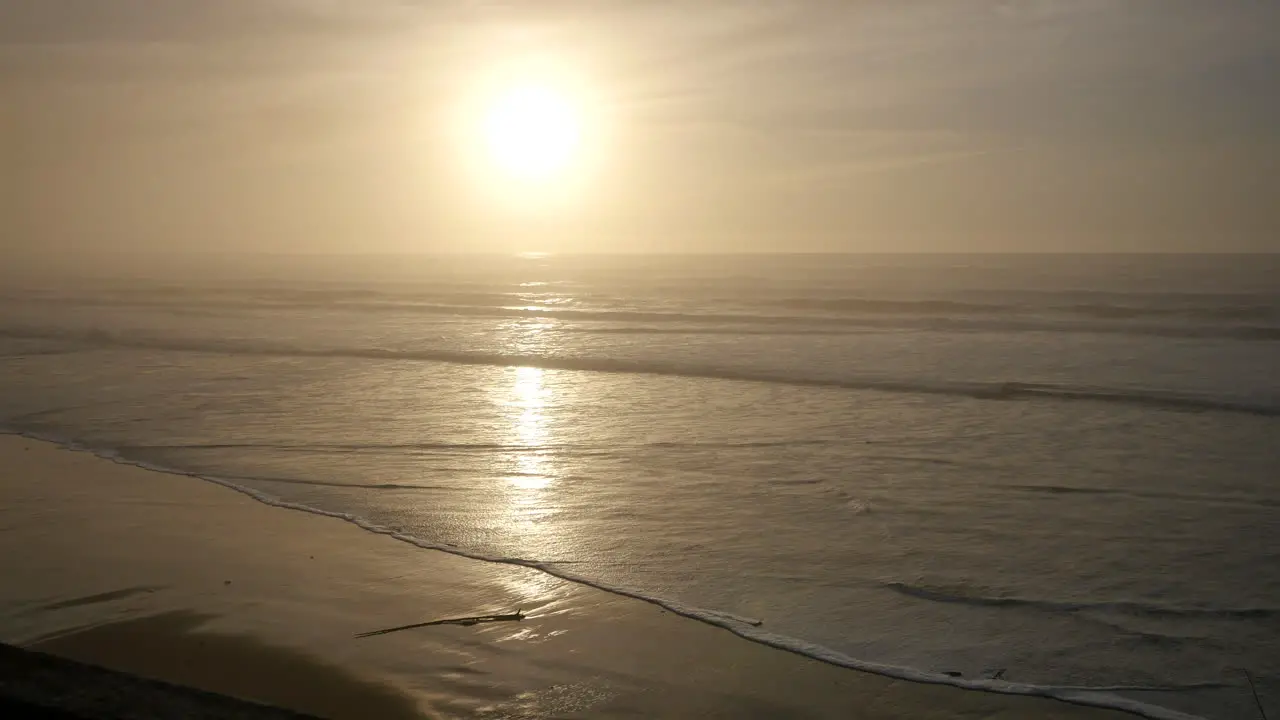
pixel 747 628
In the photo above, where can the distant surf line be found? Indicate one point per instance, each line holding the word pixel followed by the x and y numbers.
pixel 976 390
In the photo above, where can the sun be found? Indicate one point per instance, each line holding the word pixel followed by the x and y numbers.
pixel 532 132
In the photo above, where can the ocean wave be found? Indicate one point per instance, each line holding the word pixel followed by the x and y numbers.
pixel 969 596
pixel 778 325
pixel 978 390
pixel 606 316
pixel 912 307
pixel 750 629
pixel 1218 312
pixel 1143 494
pixel 35 352
pixel 1246 311
pixel 458 447
pixel 325 483
pixel 351 447
pixel 708 330
pixel 469 298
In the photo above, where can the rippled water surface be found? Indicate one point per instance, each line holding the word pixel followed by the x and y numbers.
pixel 1062 467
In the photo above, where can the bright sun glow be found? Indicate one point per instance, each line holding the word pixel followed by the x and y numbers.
pixel 532 132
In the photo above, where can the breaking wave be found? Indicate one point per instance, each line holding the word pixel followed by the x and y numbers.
pixel 979 390
pixel 1243 311
pixel 1245 319
pixel 967 596
pixel 751 629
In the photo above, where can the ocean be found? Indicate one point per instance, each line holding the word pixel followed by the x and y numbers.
pixel 1048 470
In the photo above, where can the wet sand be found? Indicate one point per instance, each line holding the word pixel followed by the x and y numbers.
pixel 180 580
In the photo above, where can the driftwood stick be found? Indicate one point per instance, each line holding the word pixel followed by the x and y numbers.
pixel 1261 710
pixel 465 621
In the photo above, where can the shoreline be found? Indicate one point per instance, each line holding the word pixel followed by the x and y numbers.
pixel 558 598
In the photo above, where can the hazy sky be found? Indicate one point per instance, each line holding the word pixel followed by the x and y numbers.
pixel 865 125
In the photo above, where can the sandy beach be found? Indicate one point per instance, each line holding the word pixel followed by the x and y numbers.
pixel 181 580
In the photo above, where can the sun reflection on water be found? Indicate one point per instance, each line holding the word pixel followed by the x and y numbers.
pixel 529 484
pixel 531 429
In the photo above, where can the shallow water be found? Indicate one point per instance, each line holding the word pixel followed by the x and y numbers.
pixel 1059 467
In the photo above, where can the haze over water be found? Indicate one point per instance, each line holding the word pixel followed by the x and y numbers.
pixel 1061 466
